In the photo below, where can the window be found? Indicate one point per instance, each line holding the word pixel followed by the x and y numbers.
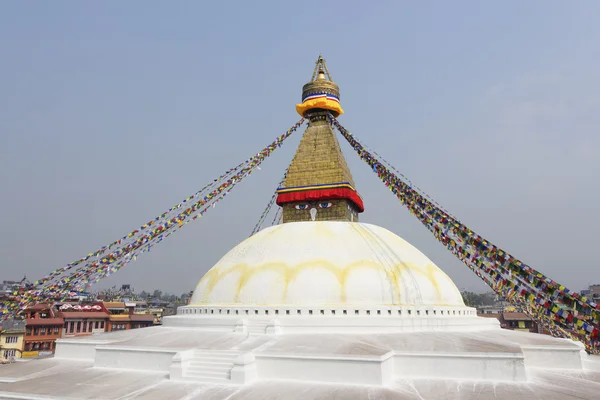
pixel 12 339
pixel 36 331
pixel 345 312
pixel 97 324
pixel 101 324
pixel 28 332
pixel 84 328
pixel 56 329
pixel 43 330
pixel 322 312
pixel 356 312
pixel 309 312
pixel 368 312
pixel 78 328
pixel 287 312
pixel 9 354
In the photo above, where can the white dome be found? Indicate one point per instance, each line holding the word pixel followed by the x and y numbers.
pixel 326 263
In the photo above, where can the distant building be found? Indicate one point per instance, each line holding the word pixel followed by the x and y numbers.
pixel 42 327
pixel 122 316
pixel 490 309
pixel 514 321
pixel 8 287
pixel 12 333
pixel 595 292
pixel 84 320
pixel 518 321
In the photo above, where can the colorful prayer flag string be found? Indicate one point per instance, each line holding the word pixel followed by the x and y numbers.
pixel 566 313
pixel 61 283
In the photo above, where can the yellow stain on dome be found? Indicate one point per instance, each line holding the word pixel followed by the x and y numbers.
pixel 324 230
pixel 290 273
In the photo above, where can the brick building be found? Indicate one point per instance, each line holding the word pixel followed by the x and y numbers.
pixel 122 317
pixel 42 327
pixel 514 321
pixel 84 320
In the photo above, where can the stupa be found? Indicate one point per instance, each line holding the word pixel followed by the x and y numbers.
pixel 319 306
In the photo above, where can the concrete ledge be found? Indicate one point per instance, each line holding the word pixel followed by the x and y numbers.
pixel 338 323
pixel 591 363
pixel 567 357
pixel 142 359
pixel 471 366
pixel 373 370
pixel 78 349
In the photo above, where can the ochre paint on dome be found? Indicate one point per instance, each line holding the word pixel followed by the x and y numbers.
pixel 290 273
pixel 326 263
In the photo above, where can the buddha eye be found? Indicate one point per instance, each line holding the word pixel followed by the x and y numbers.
pixel 325 204
pixel 301 206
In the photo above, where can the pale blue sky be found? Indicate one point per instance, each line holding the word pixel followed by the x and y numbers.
pixel 111 112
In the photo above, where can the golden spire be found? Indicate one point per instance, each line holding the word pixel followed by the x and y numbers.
pixel 321 70
pixel 321 93
pixel 319 185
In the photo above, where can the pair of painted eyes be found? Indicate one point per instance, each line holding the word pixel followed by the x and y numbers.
pixel 325 204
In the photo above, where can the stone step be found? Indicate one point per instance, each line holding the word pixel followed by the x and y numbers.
pixel 210 363
pixel 215 359
pixel 205 379
pixel 209 374
pixel 201 370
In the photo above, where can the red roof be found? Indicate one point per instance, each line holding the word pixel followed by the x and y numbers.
pixel 515 316
pixel 495 315
pixel 39 307
pixel 45 321
pixel 84 314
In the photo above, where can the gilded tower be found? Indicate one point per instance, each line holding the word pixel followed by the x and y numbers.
pixel 318 184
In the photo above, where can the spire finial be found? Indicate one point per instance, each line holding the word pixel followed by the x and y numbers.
pixel 321 73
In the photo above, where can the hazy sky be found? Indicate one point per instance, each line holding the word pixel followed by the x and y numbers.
pixel 111 112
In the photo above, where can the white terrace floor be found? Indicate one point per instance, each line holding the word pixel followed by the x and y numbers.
pixel 489 364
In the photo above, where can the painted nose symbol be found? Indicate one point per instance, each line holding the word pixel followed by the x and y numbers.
pixel 313 213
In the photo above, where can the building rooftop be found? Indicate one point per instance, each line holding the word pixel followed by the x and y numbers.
pixel 114 304
pixel 12 325
pixel 515 316
pixel 84 314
